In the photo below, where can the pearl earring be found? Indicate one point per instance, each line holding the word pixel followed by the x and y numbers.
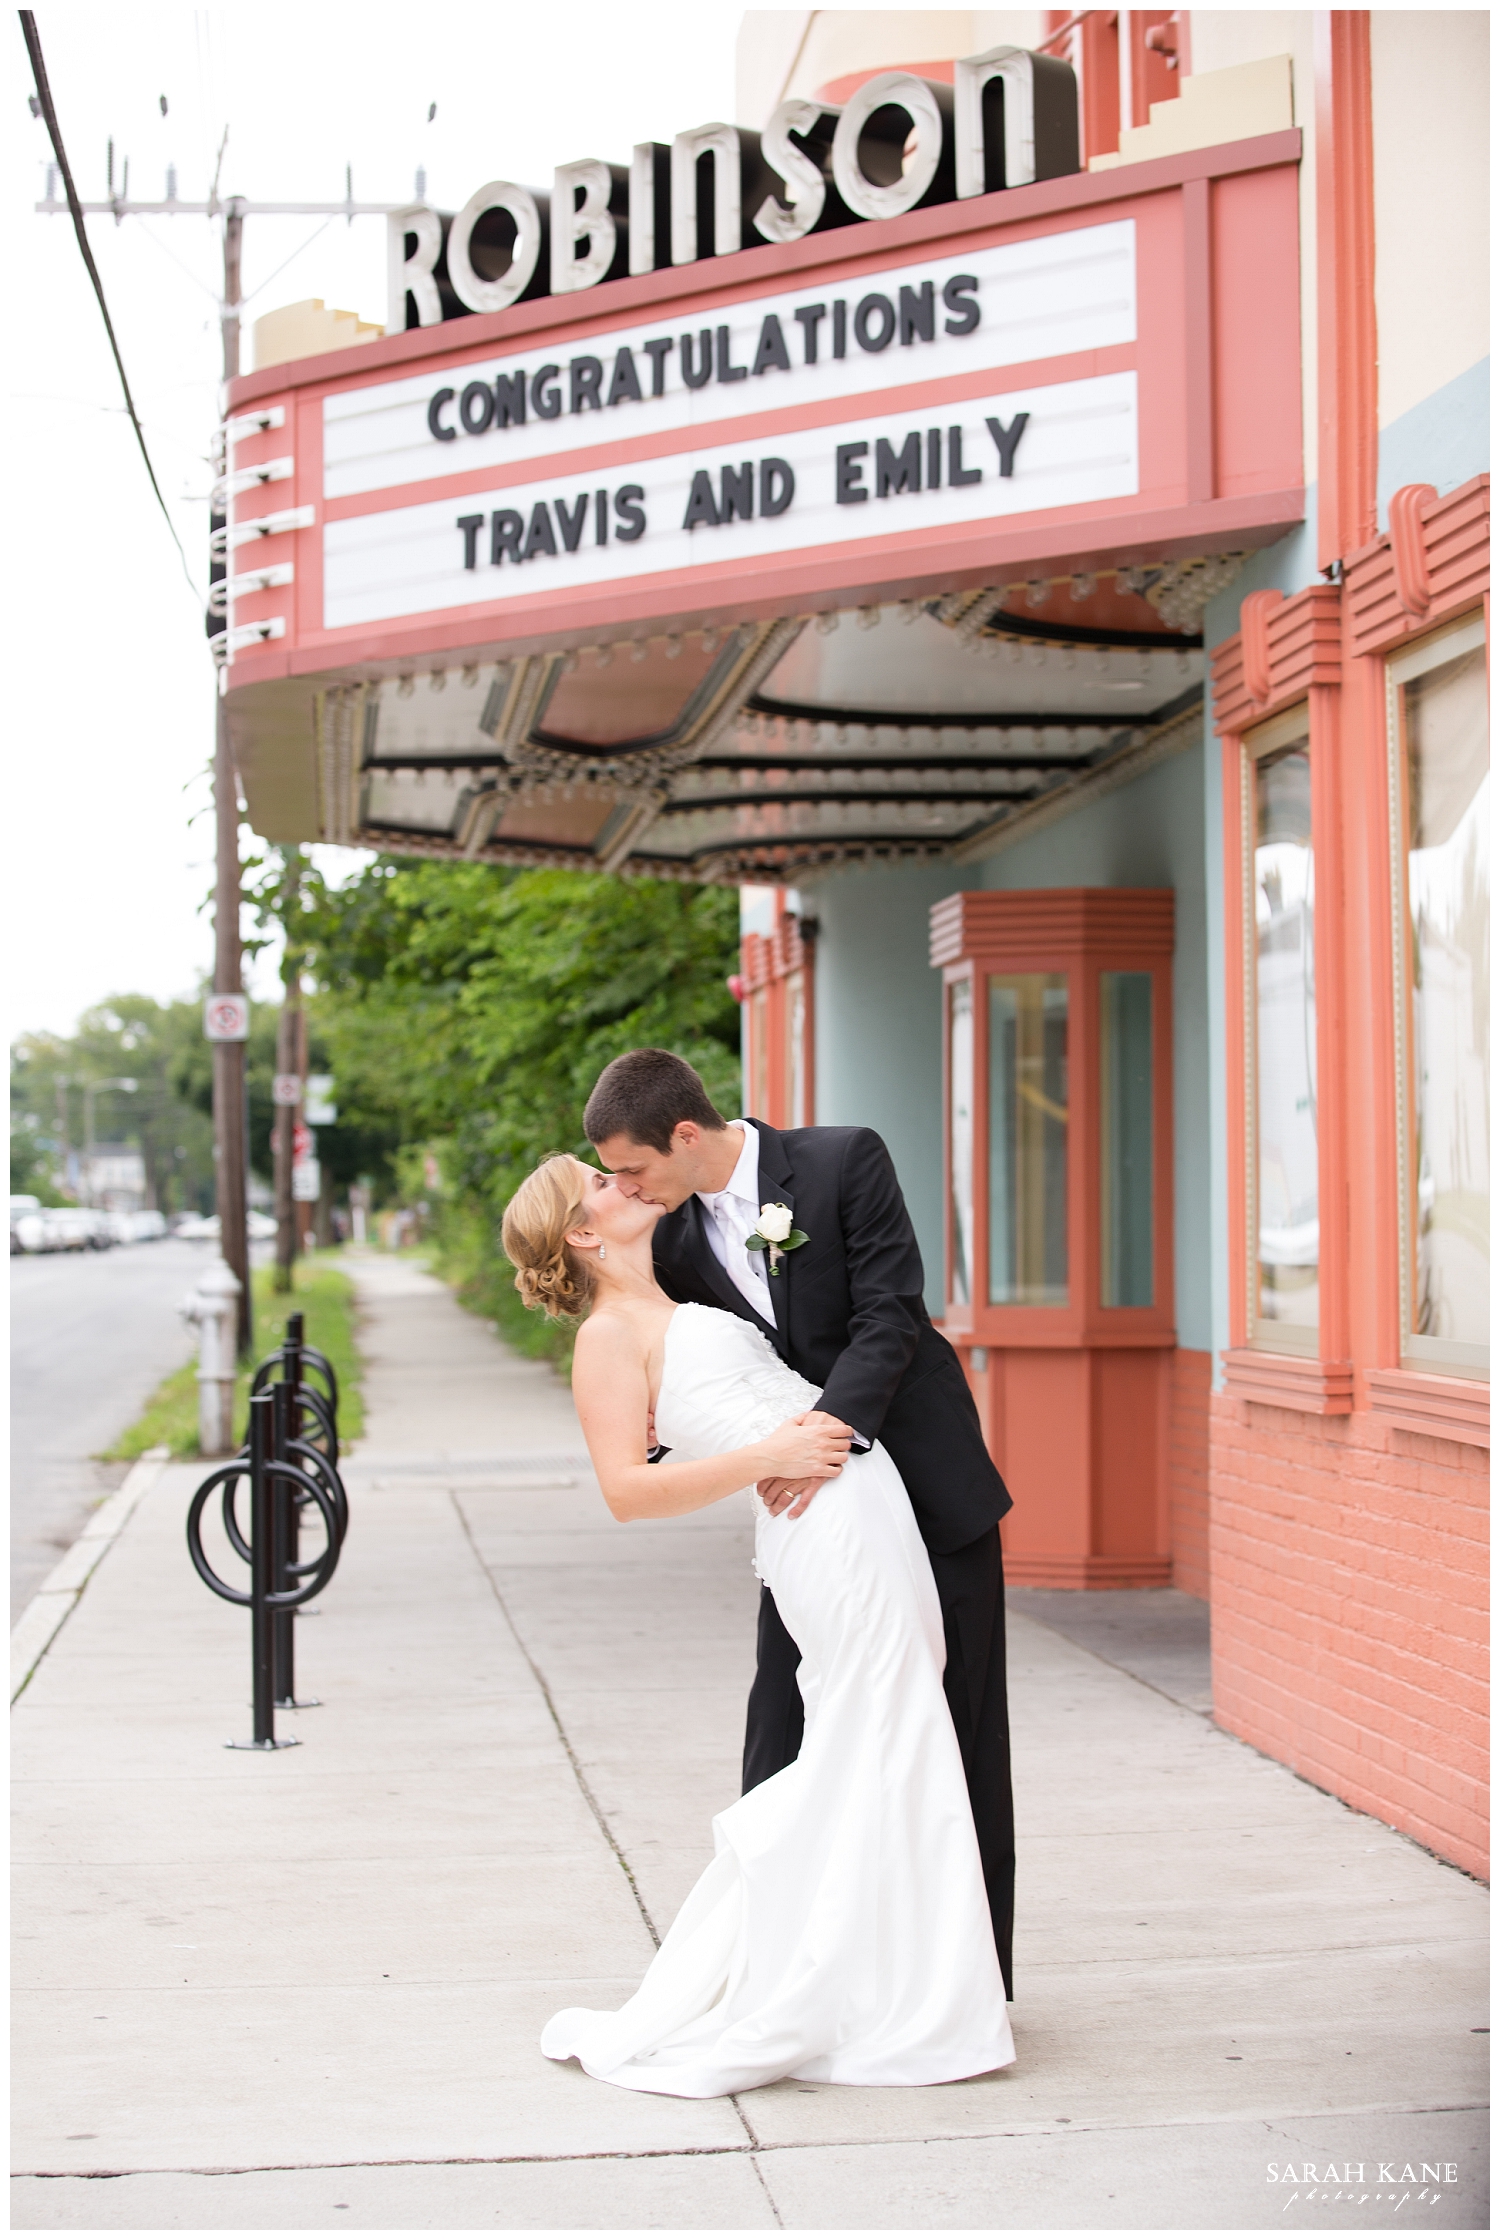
pixel 601 1252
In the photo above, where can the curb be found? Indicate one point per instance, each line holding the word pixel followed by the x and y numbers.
pixel 57 1597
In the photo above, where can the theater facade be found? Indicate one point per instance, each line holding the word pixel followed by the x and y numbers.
pixel 1018 510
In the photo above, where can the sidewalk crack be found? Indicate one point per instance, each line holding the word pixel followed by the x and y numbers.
pixel 1025 2128
pixel 562 1733
pixel 760 2174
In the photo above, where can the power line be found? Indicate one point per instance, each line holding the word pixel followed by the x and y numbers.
pixel 44 96
pixel 292 259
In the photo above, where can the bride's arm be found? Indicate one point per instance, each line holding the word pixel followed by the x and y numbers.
pixel 611 1390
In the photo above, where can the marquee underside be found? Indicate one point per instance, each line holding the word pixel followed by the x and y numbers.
pixel 753 753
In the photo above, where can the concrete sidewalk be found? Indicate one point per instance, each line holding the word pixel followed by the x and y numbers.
pixel 304 1990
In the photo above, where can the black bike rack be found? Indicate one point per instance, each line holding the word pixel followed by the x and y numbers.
pixel 294 1359
pixel 288 1474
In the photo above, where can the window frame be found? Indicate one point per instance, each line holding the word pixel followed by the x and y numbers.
pixel 1290 728
pixel 961 1313
pixel 1072 980
pixel 1467 633
pixel 1102 1254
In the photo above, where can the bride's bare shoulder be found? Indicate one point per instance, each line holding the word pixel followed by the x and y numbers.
pixel 611 1335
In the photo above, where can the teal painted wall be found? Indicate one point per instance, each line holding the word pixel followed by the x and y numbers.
pixel 880 1014
pixel 880 1027
pixel 1443 440
pixel 1150 834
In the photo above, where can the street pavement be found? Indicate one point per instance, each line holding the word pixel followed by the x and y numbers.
pixel 304 1991
pixel 92 1335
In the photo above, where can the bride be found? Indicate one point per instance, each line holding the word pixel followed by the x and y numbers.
pixel 842 1934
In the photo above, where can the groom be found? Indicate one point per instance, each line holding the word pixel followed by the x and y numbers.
pixel 844 1309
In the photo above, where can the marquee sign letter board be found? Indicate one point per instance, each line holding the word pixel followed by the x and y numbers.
pixel 1099 364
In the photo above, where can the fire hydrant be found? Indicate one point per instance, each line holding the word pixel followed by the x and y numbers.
pixel 214 1307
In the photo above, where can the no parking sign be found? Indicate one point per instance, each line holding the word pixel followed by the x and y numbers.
pixel 226 1018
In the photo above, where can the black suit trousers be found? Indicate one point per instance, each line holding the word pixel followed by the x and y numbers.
pixel 971 1591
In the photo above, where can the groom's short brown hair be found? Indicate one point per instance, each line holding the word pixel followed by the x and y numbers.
pixel 643 1095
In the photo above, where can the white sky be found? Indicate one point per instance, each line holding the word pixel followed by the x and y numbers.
pixel 109 841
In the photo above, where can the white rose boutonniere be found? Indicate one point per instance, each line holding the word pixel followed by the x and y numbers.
pixel 775 1235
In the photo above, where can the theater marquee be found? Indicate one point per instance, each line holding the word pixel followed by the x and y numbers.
pixel 1088 372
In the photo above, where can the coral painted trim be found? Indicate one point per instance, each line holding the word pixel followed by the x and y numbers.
pixel 1348 396
pixel 1289 1380
pixel 1409 547
pixel 1284 649
pixel 1440 1407
pixel 1454 560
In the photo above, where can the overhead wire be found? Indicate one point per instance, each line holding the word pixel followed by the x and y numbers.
pixel 280 269
pixel 54 130
pixel 185 269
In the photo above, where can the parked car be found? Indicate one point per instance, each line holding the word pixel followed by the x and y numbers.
pixel 77 1229
pixel 197 1227
pixel 204 1229
pixel 139 1228
pixel 38 1228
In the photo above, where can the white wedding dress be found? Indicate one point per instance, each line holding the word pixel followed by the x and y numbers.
pixel 842 1934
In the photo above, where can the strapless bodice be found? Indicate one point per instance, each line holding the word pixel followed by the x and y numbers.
pixel 723 1384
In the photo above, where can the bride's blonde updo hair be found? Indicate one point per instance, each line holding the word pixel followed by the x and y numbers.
pixel 534 1229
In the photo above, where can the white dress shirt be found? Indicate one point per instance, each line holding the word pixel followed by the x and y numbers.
pixel 734 1214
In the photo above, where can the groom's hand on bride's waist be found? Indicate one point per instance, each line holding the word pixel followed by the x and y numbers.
pixel 791 1496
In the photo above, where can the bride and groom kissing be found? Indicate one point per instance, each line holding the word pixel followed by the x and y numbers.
pixel 752 1326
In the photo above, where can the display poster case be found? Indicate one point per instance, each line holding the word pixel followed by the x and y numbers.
pixel 1057 1042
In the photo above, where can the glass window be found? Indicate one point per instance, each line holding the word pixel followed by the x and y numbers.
pixel 1286 1044
pixel 1126 1178
pixel 961 1140
pixel 1443 739
pixel 795 1076
pixel 1029 1139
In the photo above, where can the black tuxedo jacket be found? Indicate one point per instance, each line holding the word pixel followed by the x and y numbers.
pixel 850 1318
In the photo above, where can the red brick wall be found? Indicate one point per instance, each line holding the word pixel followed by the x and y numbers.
pixel 1349 1563
pixel 1187 1470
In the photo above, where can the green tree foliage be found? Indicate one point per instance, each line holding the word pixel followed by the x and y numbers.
pixel 34 1165
pixel 468 1010
pixel 290 903
pixel 160 1047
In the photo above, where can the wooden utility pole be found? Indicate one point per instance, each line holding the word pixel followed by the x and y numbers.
pixel 231 1117
pixel 290 1067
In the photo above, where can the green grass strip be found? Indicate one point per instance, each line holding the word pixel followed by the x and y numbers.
pixel 324 1294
